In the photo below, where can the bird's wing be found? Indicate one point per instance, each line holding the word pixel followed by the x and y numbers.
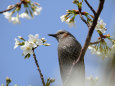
pixel 66 59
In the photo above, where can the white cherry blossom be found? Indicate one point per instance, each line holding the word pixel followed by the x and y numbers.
pixel 7 15
pixel 27 48
pixel 37 11
pixel 70 23
pixel 14 20
pixel 16 43
pixel 63 18
pixel 24 15
pixel 34 40
pixel 101 26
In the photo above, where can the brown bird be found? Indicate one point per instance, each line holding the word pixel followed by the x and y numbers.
pixel 68 52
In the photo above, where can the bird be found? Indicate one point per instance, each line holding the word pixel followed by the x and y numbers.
pixel 68 52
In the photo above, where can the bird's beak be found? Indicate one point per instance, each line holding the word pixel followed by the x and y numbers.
pixel 53 35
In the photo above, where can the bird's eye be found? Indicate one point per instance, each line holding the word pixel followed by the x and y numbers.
pixel 61 33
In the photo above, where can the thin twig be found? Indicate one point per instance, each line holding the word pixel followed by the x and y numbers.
pixel 100 39
pixel 8 9
pixel 38 67
pixel 13 6
pixel 96 42
pixel 7 84
pixel 90 7
pixel 83 19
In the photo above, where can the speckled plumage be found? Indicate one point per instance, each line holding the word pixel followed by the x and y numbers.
pixel 68 52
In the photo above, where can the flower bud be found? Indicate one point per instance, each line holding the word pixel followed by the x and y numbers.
pixel 2 84
pixel 46 44
pixel 10 6
pixel 75 1
pixel 15 85
pixel 43 39
pixel 8 80
pixel 21 38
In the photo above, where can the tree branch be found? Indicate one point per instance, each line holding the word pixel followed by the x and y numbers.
pixel 90 7
pixel 38 67
pixel 96 42
pixel 13 6
pixel 8 9
pixel 90 32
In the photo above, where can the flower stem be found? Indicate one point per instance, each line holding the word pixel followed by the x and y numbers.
pixel 38 67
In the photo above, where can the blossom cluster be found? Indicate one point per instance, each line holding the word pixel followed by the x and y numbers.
pixel 69 21
pixel 8 81
pixel 100 47
pixel 102 50
pixel 28 46
pixel 70 15
pixel 31 9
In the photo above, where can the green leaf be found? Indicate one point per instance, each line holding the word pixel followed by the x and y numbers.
pixel 26 11
pixel 31 14
pixel 26 5
pixel 27 56
pixel 21 44
pixel 49 81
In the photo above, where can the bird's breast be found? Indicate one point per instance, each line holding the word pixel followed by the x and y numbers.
pixel 68 50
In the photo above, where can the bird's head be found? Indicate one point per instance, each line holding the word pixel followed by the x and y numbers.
pixel 61 34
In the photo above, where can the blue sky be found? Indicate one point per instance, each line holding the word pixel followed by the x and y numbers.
pixel 23 71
